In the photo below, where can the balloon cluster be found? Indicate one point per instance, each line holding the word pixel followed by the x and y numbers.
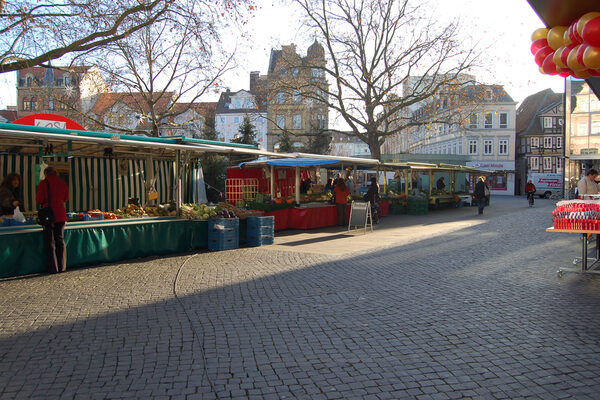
pixel 572 50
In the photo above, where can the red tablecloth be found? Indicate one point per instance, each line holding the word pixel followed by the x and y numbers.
pixel 313 217
pixel 282 218
pixel 384 205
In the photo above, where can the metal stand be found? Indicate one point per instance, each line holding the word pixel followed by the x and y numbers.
pixel 586 268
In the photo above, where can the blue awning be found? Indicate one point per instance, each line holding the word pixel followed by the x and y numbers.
pixel 291 162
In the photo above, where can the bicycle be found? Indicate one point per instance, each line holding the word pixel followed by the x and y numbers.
pixel 530 198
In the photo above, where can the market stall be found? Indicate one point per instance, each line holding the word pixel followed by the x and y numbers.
pixel 274 186
pixel 125 194
pixel 419 186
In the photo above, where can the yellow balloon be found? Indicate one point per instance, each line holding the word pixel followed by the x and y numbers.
pixel 584 19
pixel 556 58
pixel 540 33
pixel 556 36
pixel 591 57
pixel 566 39
pixel 572 60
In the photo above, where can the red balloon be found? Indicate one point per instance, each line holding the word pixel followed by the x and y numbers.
pixel 591 32
pixel 538 44
pixel 573 34
pixel 565 53
pixel 594 72
pixel 548 65
pixel 580 52
pixel 542 53
pixel 564 72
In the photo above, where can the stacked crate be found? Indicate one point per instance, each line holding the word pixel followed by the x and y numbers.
pixel 223 234
pixel 417 206
pixel 260 230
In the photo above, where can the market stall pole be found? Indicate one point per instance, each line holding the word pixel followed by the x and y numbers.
pixel 272 182
pixel 297 185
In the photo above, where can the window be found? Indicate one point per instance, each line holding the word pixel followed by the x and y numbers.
pixel 315 72
pixel 547 163
pixel 558 163
pixel 51 104
pixel 534 163
pixel 33 104
pixel 26 104
pixel 222 120
pixel 29 80
pixel 503 120
pixel 282 72
pixel 473 147
pixel 488 147
pixel 473 121
pixel 559 142
pixel 488 120
pixel 237 103
pixel 582 129
pixel 297 121
pixel 535 143
pixel 321 121
pixel 296 96
pixel 595 128
pixel 503 147
pixel 236 120
pixel 59 81
pixel 547 122
pixel 281 121
pixel 295 72
pixel 280 99
pixel 67 81
pixel 21 82
pixel 547 142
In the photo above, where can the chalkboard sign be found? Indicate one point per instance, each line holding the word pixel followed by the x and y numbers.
pixel 360 215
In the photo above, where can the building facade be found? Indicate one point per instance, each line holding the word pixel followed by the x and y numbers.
pixel 539 137
pixel 231 110
pixel 67 91
pixel 478 121
pixel 582 132
pixel 296 95
pixel 348 146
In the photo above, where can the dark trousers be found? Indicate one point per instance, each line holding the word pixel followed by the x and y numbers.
pixel 341 213
pixel 481 205
pixel 54 239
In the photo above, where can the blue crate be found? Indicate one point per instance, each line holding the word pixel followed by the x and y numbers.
pixel 259 240
pixel 87 217
pixel 256 222
pixel 223 229
pixel 260 230
pixel 223 244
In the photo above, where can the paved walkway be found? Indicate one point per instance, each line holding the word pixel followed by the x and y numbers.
pixel 446 305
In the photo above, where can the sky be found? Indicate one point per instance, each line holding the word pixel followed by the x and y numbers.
pixel 503 27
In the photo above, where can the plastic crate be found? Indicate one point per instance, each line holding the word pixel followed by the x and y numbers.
pixel 259 240
pixel 218 244
pixel 222 227
pixel 397 209
pixel 255 221
pixel 87 217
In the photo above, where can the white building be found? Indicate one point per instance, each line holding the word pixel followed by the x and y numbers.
pixel 232 108
pixel 478 122
pixel 348 145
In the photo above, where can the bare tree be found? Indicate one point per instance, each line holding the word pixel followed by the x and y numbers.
pixel 171 63
pixel 384 57
pixel 36 32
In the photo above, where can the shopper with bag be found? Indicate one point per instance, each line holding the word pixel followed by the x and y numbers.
pixel 481 192
pixel 52 194
pixel 10 195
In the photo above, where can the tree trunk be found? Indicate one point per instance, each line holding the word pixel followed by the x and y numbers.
pixel 374 146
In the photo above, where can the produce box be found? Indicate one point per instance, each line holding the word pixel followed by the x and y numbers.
pixel 259 240
pixel 223 233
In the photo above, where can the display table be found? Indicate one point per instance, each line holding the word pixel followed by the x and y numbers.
pixel 22 248
pixel 313 217
pixel 585 268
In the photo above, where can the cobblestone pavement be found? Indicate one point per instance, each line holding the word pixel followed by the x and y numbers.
pixel 476 312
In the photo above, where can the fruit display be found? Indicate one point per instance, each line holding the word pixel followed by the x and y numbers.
pixel 197 211
pixel 131 211
pixel 226 210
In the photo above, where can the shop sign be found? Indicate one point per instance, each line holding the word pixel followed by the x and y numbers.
pixel 493 165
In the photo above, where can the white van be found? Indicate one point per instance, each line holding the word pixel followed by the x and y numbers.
pixel 546 184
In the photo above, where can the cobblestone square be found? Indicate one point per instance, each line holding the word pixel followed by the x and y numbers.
pixel 446 305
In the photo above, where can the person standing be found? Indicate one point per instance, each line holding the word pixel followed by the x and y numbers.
pixel 480 195
pixel 341 201
pixel 588 184
pixel 440 185
pixel 55 192
pixel 10 194
pixel 372 196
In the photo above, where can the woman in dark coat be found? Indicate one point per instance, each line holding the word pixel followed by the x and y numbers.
pixel 10 194
pixel 479 193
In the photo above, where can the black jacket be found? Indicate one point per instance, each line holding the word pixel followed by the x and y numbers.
pixel 479 191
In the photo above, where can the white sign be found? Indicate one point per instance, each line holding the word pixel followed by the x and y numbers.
pixel 50 124
pixel 492 165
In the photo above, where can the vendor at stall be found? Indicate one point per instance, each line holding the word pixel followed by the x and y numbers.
pixel 440 184
pixel 10 194
pixel 588 184
pixel 305 185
